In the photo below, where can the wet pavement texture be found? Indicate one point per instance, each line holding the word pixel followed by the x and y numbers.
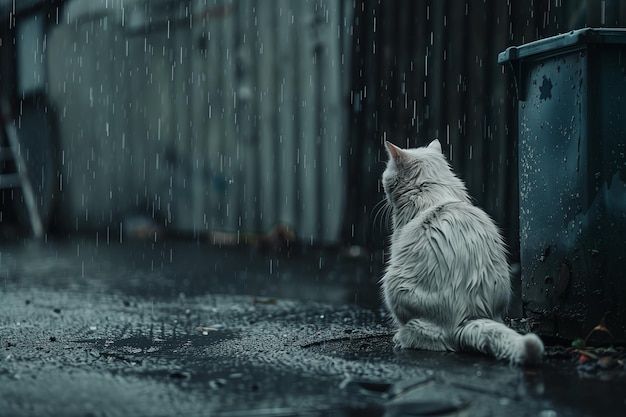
pixel 185 328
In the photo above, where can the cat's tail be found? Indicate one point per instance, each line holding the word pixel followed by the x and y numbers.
pixel 496 339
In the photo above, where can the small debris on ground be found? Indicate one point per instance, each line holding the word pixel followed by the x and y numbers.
pixel 590 359
pixel 206 330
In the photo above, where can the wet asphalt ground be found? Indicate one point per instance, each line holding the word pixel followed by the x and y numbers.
pixel 89 328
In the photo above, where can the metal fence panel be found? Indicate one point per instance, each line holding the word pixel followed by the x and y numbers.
pixel 207 115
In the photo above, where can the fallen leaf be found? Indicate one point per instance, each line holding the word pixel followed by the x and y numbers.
pixel 607 362
pixel 588 354
pixel 601 327
pixel 258 300
pixel 206 330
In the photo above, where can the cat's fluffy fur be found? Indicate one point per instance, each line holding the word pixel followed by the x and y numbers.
pixel 447 281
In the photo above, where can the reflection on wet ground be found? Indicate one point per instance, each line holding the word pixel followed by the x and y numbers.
pixel 182 268
pixel 179 327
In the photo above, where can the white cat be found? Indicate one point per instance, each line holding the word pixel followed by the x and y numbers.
pixel 447 279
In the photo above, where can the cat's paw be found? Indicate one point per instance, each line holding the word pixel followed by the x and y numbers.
pixel 415 335
pixel 404 339
pixel 533 348
pixel 396 342
pixel 528 350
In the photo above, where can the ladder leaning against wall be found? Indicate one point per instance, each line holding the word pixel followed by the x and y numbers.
pixel 10 151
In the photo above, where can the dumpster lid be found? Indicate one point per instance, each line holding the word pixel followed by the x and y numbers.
pixel 563 42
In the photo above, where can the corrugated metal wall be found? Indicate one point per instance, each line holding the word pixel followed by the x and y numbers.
pixel 428 69
pixel 208 115
pixel 231 115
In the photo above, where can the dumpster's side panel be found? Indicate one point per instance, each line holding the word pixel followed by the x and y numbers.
pixel 553 168
pixel 572 190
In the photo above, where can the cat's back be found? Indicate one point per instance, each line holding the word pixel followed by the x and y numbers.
pixel 446 235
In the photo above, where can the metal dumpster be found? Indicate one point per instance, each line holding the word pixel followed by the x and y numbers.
pixel 571 92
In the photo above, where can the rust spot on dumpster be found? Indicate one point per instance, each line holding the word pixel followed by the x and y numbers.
pixel 563 280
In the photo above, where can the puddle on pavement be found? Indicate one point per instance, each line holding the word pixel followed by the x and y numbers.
pixel 135 349
pixel 376 347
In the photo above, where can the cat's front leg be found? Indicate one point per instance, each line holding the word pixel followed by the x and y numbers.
pixel 421 334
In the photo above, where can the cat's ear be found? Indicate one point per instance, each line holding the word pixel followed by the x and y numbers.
pixel 395 152
pixel 435 145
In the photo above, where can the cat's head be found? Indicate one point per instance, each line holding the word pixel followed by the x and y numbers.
pixel 411 172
